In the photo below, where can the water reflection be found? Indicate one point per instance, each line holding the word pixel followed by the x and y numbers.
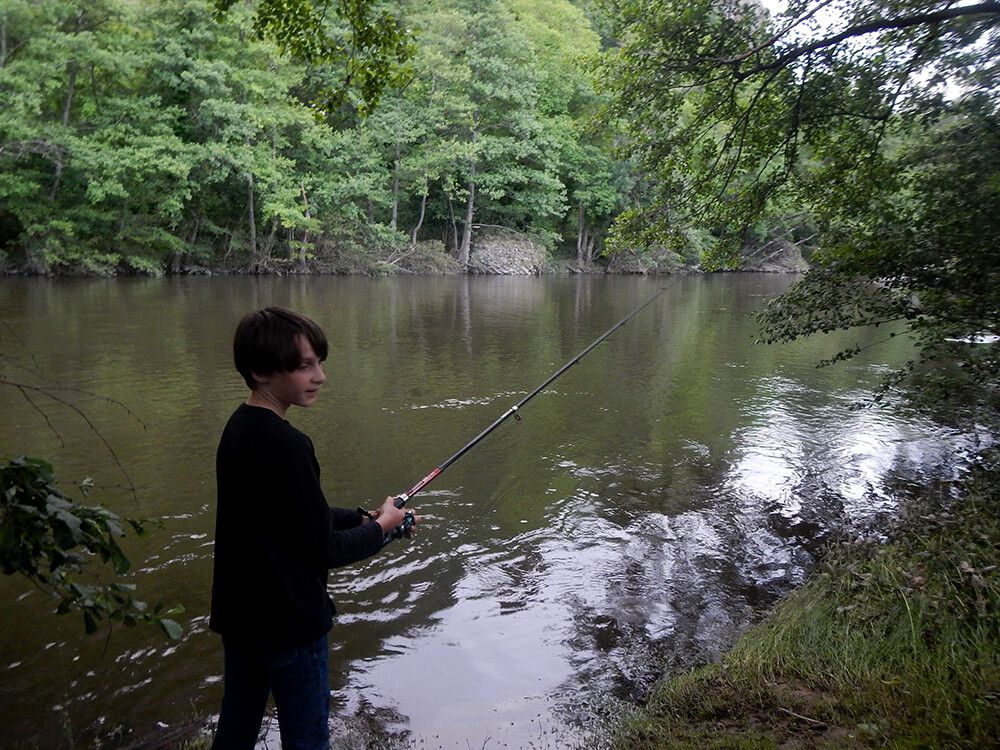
pixel 650 503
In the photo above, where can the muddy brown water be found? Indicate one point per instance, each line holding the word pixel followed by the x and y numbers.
pixel 674 483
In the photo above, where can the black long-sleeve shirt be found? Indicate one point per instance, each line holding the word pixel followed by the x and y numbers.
pixel 275 536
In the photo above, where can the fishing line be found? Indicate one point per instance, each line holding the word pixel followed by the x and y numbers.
pixel 401 499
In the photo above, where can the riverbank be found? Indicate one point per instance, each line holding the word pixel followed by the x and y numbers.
pixel 889 644
pixel 495 252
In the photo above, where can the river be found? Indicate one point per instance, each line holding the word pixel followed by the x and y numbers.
pixel 647 507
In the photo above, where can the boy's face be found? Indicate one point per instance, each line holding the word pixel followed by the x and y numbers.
pixel 299 386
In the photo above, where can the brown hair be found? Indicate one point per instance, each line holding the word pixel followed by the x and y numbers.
pixel 265 342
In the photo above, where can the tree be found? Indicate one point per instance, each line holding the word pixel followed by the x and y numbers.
pixel 565 48
pixel 924 256
pixel 872 118
pixel 508 163
pixel 94 161
pixel 176 137
pixel 363 38
pixel 468 127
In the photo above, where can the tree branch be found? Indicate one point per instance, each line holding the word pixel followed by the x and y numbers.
pixel 920 19
pixel 47 391
pixel 777 37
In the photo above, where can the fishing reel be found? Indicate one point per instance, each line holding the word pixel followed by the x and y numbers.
pixel 405 529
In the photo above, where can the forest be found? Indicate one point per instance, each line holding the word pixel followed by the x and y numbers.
pixel 157 137
pixel 184 135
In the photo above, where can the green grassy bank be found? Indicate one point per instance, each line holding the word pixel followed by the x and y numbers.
pixel 889 645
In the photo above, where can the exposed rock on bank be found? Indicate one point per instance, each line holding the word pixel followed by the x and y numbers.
pixel 656 260
pixel 426 258
pixel 503 251
pixel 774 256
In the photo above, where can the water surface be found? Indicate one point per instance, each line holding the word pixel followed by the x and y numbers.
pixel 649 503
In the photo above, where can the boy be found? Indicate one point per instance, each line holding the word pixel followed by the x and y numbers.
pixel 276 539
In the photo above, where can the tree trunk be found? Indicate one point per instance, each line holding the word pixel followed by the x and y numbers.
pixel 305 235
pixel 269 242
pixel 395 190
pixel 177 257
pixel 454 228
pixel 580 219
pixel 252 224
pixel 56 179
pixel 71 71
pixel 470 206
pixel 420 221
pixel 470 209
pixel 67 108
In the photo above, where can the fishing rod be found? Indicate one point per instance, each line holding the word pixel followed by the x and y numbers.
pixel 400 501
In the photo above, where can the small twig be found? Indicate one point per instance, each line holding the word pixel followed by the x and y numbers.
pixel 45 416
pixel 100 486
pixel 393 259
pixel 776 38
pixel 80 413
pixel 44 390
pixel 817 722
pixel 19 340
pixel 14 363
pixel 107 641
pixel 121 405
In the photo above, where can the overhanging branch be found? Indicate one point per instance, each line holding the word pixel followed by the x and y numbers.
pixel 919 19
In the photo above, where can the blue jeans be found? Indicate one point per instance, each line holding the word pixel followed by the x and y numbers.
pixel 298 678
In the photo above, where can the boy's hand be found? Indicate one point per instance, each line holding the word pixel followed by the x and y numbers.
pixel 389 517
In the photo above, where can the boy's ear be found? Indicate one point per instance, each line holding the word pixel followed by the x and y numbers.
pixel 260 379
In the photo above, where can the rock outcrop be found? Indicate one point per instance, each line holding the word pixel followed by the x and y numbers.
pixel 775 256
pixel 656 260
pixel 427 257
pixel 503 251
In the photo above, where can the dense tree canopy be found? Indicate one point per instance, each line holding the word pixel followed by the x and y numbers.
pixel 869 126
pixel 365 39
pixel 157 137
pixel 734 112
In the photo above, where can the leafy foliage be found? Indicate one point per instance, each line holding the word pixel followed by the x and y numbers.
pixel 372 50
pixel 172 135
pixel 48 538
pixel 733 113
pixel 924 259
pixel 875 123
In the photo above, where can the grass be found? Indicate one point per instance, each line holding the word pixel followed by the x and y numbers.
pixel 890 645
